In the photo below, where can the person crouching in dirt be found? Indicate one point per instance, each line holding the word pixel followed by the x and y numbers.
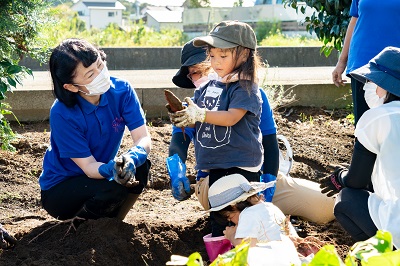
pixel 294 196
pixel 360 211
pixel 238 201
pixel 82 177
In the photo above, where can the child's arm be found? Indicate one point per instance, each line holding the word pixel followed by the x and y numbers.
pixel 224 118
pixel 229 234
pixel 193 114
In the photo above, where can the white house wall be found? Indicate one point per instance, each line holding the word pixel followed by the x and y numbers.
pixel 99 18
pixel 199 16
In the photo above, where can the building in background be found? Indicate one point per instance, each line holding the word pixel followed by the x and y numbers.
pixel 164 17
pixel 99 13
pixel 199 21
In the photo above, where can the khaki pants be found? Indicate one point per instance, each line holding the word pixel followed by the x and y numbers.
pixel 303 198
pixel 201 191
pixel 294 196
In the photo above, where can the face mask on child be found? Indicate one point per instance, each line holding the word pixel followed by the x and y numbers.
pixel 100 84
pixel 370 96
pixel 201 80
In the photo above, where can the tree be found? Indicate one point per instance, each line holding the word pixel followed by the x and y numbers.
pixel 199 3
pixel 238 3
pixel 20 24
pixel 329 21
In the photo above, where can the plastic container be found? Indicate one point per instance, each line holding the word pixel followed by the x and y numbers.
pixel 216 245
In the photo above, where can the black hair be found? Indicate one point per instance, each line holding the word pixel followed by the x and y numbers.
pixel 247 71
pixel 64 60
pixel 390 97
pixel 222 215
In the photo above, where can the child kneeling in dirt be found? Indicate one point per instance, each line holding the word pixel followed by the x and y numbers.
pixel 237 200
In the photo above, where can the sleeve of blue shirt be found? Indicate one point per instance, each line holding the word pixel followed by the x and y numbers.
pixel 267 123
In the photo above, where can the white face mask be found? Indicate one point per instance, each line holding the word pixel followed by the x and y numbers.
pixel 370 96
pixel 201 80
pixel 100 84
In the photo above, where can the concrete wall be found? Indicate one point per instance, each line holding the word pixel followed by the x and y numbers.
pixel 169 58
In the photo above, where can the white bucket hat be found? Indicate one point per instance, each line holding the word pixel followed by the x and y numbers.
pixel 232 189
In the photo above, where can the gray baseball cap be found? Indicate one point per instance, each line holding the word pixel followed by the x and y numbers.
pixel 229 34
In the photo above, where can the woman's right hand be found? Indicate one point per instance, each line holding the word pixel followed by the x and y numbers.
pixel 337 74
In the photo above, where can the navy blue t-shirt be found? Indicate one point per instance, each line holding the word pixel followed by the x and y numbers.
pixel 235 146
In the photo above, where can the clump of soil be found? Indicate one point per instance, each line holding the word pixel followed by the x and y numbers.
pixel 158 225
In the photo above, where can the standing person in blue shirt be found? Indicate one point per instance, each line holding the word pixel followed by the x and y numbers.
pixel 372 27
pixel 294 196
pixel 81 176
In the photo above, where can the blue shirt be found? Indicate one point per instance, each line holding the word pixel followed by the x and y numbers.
pixel 267 123
pixel 86 129
pixel 377 27
pixel 228 146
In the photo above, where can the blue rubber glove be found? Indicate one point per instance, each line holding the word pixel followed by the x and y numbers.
pixel 132 159
pixel 108 170
pixel 201 174
pixel 180 184
pixel 269 192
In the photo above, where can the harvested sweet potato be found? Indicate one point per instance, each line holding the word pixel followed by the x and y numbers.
pixel 174 105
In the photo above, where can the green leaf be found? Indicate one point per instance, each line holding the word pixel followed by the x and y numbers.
pixel 14 69
pixel 377 245
pixel 12 82
pixel 195 259
pixel 327 256
pixel 236 256
pixel 389 258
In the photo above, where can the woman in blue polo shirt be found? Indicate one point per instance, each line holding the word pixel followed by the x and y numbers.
pixel 81 175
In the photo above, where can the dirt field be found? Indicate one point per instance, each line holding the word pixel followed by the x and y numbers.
pixel 158 225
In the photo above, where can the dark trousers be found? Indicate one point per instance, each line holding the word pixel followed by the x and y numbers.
pixel 90 198
pixel 351 211
pixel 359 103
pixel 218 224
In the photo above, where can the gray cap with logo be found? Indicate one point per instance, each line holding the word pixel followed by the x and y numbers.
pixel 229 34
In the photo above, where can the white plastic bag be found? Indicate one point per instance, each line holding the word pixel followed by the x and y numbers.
pixel 285 158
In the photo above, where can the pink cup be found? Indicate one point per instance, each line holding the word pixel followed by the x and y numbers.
pixel 216 245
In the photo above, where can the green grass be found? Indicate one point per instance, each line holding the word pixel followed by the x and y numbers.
pixel 280 39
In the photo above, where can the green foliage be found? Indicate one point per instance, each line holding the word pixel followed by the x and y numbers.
pixel 238 3
pixel 266 28
pixel 199 3
pixel 329 21
pixel 135 34
pixel 375 251
pixel 280 39
pixel 20 26
pixel 233 257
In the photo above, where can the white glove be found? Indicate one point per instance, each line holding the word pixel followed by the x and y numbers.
pixel 188 116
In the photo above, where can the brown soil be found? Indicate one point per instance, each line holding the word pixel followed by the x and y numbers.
pixel 158 226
